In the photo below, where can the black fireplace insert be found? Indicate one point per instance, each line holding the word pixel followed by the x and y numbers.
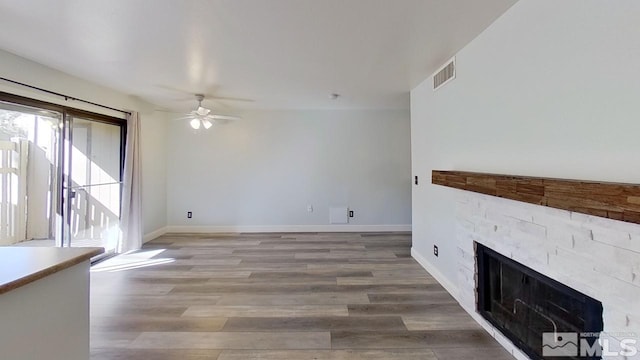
pixel 524 304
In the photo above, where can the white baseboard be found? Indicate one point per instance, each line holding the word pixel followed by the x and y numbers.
pixel 154 234
pixel 285 228
pixel 453 290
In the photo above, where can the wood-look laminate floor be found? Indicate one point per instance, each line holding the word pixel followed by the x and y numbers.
pixel 278 296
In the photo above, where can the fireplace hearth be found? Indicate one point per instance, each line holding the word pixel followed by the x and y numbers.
pixel 523 304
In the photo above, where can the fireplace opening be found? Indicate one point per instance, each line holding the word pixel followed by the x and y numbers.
pixel 524 304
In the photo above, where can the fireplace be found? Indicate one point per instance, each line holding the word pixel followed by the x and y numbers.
pixel 584 235
pixel 523 304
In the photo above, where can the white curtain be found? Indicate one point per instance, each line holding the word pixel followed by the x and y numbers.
pixel 131 216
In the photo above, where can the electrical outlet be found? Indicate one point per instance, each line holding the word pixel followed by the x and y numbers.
pixel 435 250
pixel 189 214
pixel 416 179
pixel 350 213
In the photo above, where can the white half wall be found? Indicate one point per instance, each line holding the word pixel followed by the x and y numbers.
pixel 549 89
pixel 153 142
pixel 263 172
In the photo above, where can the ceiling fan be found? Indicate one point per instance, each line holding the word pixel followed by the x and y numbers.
pixel 202 117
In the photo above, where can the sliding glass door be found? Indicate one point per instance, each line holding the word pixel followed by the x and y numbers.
pixel 92 181
pixel 60 175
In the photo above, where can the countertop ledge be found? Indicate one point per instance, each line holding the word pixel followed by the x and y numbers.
pixel 20 266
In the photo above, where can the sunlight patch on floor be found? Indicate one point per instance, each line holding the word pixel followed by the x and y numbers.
pixel 131 260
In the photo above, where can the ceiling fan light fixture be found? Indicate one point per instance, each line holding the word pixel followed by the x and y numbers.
pixel 202 111
pixel 202 117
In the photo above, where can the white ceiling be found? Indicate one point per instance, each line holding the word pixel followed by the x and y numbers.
pixel 285 54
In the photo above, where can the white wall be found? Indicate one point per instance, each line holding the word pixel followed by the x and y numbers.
pixel 153 124
pixel 550 89
pixel 260 173
pixel 154 173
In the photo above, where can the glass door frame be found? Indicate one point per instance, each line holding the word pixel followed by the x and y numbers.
pixel 62 228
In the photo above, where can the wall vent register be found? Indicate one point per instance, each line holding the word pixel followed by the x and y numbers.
pixel 445 74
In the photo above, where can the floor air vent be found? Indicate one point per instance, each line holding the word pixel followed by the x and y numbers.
pixel 444 74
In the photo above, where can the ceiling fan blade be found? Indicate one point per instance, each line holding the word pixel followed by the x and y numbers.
pixel 167 111
pixel 183 118
pixel 188 95
pixel 224 117
pixel 207 96
pixel 178 112
pixel 226 98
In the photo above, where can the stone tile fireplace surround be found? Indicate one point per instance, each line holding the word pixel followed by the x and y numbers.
pixel 597 256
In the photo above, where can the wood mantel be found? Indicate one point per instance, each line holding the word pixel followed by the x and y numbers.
pixel 609 200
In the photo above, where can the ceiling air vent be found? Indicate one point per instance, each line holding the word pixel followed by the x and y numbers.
pixel 445 74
